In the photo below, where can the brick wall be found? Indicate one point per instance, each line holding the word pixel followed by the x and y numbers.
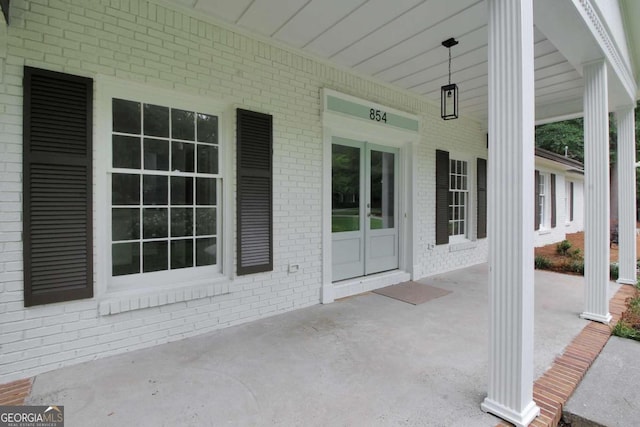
pixel 150 44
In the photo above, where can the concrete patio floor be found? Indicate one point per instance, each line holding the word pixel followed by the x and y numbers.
pixel 366 360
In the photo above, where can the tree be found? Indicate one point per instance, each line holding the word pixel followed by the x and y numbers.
pixel 556 136
pixel 570 133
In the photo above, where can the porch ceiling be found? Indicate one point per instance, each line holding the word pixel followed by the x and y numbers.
pixel 399 42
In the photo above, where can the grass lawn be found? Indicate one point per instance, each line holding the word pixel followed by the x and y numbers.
pixel 343 222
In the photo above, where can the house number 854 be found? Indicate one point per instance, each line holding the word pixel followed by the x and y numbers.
pixel 377 115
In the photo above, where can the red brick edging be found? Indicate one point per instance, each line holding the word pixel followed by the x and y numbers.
pixel 553 389
pixel 15 393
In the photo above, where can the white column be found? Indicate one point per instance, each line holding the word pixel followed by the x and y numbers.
pixel 626 195
pixel 511 210
pixel 596 194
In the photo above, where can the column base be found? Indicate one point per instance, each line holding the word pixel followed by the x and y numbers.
pixel 597 317
pixel 626 281
pixel 519 419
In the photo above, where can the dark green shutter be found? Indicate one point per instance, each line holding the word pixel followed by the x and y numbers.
pixel 442 197
pixel 58 230
pixel 571 201
pixel 553 200
pixel 254 192
pixel 537 200
pixel 481 173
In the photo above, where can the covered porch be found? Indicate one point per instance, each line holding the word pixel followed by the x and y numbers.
pixel 520 63
pixel 365 360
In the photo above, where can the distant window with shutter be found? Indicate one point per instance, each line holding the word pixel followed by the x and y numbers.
pixel 57 167
pixel 481 173
pixel 254 192
pixel 458 199
pixel 545 200
pixel 442 197
pixel 571 203
pixel 538 200
pixel 553 200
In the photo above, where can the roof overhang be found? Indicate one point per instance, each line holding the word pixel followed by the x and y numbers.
pixel 399 44
pixel 558 162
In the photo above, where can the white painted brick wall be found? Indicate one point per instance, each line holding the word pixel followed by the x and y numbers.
pixel 147 43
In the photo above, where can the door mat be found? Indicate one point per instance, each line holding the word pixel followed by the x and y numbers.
pixel 412 292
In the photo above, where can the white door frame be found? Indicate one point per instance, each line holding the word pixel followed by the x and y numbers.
pixel 341 125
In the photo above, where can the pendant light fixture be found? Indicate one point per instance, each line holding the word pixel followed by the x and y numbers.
pixel 449 92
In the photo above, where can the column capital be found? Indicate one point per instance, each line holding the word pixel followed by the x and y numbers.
pixel 625 108
pixel 593 62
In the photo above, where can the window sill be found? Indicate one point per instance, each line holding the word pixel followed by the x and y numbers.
pixel 463 246
pixel 123 301
pixel 542 232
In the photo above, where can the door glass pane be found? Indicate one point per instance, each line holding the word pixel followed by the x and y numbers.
pixel 345 188
pixel 382 194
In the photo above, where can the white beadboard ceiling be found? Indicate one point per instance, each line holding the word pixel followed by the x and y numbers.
pixel 399 42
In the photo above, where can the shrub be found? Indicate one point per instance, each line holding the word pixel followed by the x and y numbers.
pixel 629 324
pixel 624 330
pixel 542 262
pixel 563 247
pixel 614 271
pixel 576 266
pixel 576 254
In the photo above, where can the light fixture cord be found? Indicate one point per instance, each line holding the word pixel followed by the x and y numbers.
pixel 449 65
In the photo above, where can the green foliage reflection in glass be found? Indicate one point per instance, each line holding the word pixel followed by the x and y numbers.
pixel 174 224
pixel 345 188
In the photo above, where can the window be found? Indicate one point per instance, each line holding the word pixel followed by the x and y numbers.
pixel 165 190
pixel 458 197
pixel 568 201
pixel 542 201
pixel 545 200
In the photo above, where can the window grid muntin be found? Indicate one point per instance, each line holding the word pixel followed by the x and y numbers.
pixel 194 206
pixel 458 197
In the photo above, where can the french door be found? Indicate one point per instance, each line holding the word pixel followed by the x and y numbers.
pixel 364 220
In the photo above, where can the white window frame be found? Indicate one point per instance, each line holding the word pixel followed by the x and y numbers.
pixel 544 198
pixel 108 88
pixel 469 209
